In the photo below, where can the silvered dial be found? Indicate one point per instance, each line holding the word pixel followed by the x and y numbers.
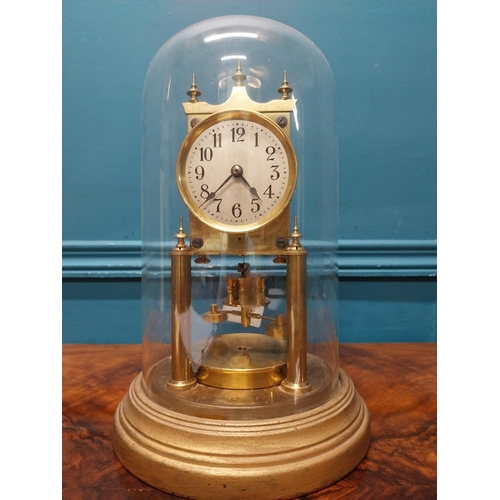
pixel 236 171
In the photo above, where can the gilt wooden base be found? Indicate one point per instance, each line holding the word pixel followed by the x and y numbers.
pixel 268 459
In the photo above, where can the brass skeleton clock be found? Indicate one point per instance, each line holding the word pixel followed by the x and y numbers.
pixel 241 395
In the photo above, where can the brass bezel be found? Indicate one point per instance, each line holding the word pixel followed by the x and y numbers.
pixel 199 129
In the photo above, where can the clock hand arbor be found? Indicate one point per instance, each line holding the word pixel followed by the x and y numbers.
pixel 237 171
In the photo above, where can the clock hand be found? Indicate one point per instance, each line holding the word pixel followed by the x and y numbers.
pixel 252 189
pixel 213 193
pixel 236 171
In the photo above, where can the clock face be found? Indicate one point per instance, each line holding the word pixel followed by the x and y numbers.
pixel 236 171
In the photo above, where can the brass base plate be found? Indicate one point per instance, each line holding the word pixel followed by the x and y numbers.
pixel 268 459
pixel 213 402
pixel 243 361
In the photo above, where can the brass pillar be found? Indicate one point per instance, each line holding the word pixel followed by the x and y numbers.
pixel 296 378
pixel 182 373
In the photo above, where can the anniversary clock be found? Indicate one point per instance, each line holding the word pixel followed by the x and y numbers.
pixel 241 395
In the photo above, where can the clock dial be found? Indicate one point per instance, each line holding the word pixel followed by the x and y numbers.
pixel 236 170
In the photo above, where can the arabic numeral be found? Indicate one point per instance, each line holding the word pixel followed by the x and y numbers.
pixel 206 154
pixel 236 210
pixel 204 191
pixel 275 174
pixel 237 134
pixel 270 150
pixel 269 191
pixel 200 172
pixel 255 206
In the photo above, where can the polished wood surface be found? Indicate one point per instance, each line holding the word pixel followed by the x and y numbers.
pixel 397 382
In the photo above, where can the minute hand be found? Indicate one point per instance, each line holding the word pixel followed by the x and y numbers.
pixel 213 193
pixel 252 189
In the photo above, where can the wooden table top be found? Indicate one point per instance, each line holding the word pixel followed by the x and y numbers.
pixel 397 382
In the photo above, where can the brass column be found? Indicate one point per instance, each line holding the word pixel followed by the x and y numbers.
pixel 296 378
pixel 182 373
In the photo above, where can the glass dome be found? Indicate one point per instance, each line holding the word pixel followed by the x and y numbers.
pixel 241 395
pixel 239 222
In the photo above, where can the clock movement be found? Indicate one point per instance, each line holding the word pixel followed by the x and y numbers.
pixel 241 395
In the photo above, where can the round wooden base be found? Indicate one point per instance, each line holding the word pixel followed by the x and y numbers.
pixel 269 459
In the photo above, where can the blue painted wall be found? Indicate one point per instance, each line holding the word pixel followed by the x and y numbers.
pixel 383 56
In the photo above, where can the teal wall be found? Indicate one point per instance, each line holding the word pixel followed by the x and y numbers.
pixel 383 56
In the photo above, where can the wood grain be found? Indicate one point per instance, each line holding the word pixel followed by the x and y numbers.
pixel 397 382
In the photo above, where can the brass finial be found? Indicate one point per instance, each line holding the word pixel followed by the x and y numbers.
pixel 239 77
pixel 295 244
pixel 193 92
pixel 181 235
pixel 285 89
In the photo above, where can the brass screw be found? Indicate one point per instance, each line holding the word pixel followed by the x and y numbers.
pixel 282 121
pixel 281 242
pixel 197 242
